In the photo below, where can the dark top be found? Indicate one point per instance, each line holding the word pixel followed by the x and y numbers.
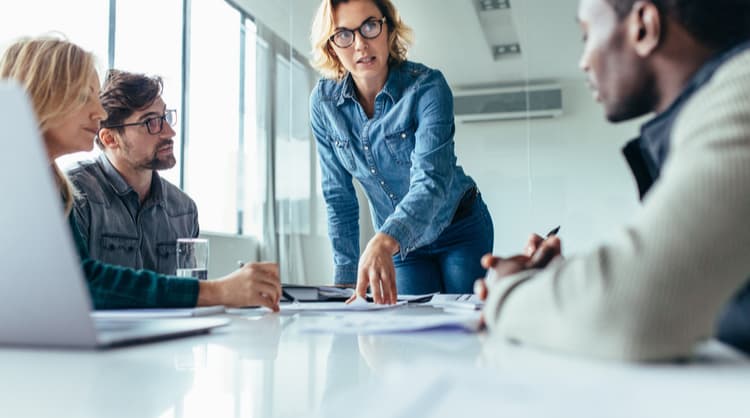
pixel 119 230
pixel 114 287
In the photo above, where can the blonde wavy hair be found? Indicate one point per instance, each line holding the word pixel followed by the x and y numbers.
pixel 55 74
pixel 400 37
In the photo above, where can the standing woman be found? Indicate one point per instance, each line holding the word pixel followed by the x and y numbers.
pixel 388 122
pixel 61 80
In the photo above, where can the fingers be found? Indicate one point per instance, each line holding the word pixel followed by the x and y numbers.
pixel 489 261
pixel 383 286
pixel 388 286
pixel 507 266
pixel 548 250
pixel 532 244
pixel 480 289
pixel 392 290
pixel 362 282
pixel 267 294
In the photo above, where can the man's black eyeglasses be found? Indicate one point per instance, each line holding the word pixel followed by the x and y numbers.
pixel 155 124
pixel 370 29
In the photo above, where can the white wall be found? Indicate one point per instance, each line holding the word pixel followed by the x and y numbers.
pixel 290 19
pixel 566 171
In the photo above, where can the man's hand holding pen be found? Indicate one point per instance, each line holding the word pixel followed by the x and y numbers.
pixel 537 254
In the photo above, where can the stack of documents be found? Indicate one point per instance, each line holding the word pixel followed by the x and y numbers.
pixel 318 293
pixel 456 301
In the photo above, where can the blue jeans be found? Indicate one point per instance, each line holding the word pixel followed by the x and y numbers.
pixel 451 264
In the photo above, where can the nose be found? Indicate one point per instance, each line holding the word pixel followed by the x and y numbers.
pixel 167 131
pixel 359 42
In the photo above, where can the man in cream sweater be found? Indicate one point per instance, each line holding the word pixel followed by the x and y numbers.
pixel 658 287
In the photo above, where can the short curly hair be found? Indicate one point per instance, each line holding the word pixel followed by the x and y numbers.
pixel 399 37
pixel 715 23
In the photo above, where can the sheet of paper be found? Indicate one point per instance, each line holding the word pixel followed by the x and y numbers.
pixel 467 301
pixel 157 313
pixel 357 305
pixel 377 324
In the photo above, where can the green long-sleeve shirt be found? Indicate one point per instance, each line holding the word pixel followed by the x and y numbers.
pixel 115 287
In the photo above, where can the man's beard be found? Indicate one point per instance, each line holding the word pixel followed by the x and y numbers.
pixel 163 163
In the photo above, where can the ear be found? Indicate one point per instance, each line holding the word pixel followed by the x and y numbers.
pixel 108 138
pixel 645 26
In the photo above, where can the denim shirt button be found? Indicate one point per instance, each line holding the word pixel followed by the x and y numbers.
pixel 403 135
pixel 366 147
pixel 372 170
pixel 391 195
pixel 382 183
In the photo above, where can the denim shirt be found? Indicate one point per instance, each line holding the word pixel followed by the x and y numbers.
pixel 118 230
pixel 403 157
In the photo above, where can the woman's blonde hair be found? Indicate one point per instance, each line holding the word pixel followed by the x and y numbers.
pixel 323 58
pixel 55 74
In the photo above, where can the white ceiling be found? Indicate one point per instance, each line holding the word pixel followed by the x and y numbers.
pixel 448 37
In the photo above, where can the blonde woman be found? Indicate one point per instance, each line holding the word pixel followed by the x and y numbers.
pixel 61 80
pixel 388 122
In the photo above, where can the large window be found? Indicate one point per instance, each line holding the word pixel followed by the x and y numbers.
pixel 293 149
pixel 240 92
pixel 154 52
pixel 214 114
pixel 254 168
pixel 89 30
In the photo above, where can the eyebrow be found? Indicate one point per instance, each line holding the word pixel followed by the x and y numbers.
pixel 149 114
pixel 363 22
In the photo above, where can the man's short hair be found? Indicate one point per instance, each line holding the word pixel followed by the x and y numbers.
pixel 125 93
pixel 718 24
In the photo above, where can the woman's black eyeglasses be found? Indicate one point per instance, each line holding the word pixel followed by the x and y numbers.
pixel 370 29
pixel 155 124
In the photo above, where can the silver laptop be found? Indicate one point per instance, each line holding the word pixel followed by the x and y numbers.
pixel 44 299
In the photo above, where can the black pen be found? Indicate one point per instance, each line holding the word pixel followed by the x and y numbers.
pixel 554 231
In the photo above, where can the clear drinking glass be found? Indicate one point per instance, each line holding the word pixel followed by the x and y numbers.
pixel 192 258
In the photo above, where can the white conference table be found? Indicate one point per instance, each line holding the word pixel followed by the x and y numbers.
pixel 262 365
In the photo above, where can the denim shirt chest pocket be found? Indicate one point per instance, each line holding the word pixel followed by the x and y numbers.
pixel 119 249
pixel 400 144
pixel 343 149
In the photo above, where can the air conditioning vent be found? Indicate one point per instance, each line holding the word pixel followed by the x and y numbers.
pixel 507 103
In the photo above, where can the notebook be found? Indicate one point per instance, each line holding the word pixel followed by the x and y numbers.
pixel 46 301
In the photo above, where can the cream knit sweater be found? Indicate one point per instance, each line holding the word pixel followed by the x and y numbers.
pixel 657 287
